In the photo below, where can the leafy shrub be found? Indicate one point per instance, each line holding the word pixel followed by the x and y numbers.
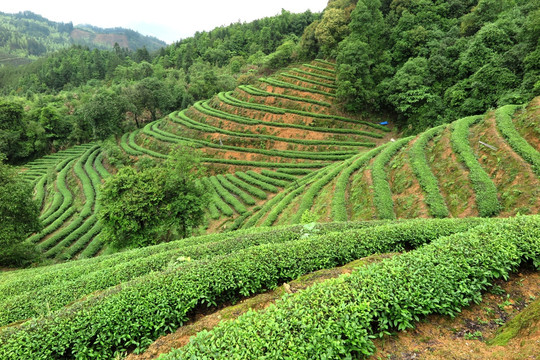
pixel 338 317
pixel 428 181
pixel 485 190
pixel 133 315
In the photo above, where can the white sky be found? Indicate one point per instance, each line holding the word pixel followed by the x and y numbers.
pixel 168 20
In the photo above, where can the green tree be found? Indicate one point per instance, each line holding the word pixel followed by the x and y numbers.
pixel 102 115
pixel 282 56
pixel 410 93
pixel 11 129
pixel 155 204
pixel 55 126
pixel 362 59
pixel 19 217
pixel 332 28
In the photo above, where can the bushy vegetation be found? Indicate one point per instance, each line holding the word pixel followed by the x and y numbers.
pixel 141 208
pixel 505 125
pixel 484 188
pixel 186 284
pixel 19 217
pixel 432 62
pixel 338 317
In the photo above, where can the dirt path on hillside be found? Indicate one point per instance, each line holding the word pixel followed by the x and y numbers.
pixel 452 175
pixel 407 194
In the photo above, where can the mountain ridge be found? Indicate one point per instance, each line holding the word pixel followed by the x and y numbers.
pixel 25 36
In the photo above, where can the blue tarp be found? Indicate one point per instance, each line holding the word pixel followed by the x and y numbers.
pixel 384 123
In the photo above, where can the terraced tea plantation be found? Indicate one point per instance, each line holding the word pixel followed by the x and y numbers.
pixel 75 310
pixel 296 187
pixel 281 152
pixel 66 185
pixel 476 166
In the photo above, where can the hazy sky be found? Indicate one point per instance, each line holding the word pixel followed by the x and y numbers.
pixel 169 20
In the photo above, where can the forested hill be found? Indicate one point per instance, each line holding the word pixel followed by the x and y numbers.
pixel 26 35
pixel 430 62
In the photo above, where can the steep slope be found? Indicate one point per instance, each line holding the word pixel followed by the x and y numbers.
pixel 476 166
pixel 66 187
pixel 257 141
pixel 265 136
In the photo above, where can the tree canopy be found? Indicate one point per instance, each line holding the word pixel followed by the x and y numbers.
pixel 430 62
pixel 155 203
pixel 19 217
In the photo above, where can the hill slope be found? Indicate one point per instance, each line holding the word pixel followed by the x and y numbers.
pixel 25 36
pixel 287 163
pixel 281 153
pixel 477 166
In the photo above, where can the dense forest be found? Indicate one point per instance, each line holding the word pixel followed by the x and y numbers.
pixel 430 62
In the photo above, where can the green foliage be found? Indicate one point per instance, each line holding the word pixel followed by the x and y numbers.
pixel 19 217
pixel 324 177
pixel 268 179
pixel 484 188
pixel 374 300
pixel 428 181
pixel 432 62
pixel 332 28
pixel 227 196
pixel 255 191
pixel 12 130
pixel 31 293
pixel 103 114
pixel 227 184
pixel 503 117
pixel 257 182
pixel 146 207
pixel 281 57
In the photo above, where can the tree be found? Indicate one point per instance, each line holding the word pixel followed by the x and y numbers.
pixel 410 93
pixel 152 205
pixel 186 200
pixel 103 114
pixel 282 56
pixel 11 129
pixel 19 217
pixel 362 61
pixel 332 29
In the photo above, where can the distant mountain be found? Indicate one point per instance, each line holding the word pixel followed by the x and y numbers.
pixel 26 36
